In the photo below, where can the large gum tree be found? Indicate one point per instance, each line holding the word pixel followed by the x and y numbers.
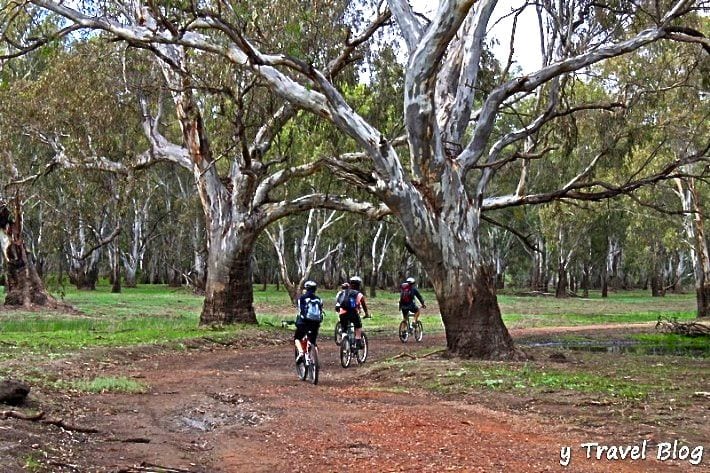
pixel 243 186
pixel 457 146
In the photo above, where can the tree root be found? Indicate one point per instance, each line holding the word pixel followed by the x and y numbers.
pixel 39 417
pixel 690 329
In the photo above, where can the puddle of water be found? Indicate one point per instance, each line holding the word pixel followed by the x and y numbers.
pixel 203 426
pixel 624 346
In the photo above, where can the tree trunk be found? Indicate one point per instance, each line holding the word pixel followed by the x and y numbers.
pixel 84 276
pixel 586 269
pixel 229 294
pixel 500 281
pixel 116 285
pixel 22 283
pixel 130 276
pixel 472 318
pixel 24 286
pixel 373 284
pixel 561 290
pixel 656 285
pixel 703 298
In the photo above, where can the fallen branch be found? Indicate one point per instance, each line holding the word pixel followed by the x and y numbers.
pixel 39 417
pixel 403 355
pixel 416 357
pixel 443 350
pixel 690 329
pixel 152 468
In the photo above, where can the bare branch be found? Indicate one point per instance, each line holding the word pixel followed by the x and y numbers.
pixel 276 210
pixel 102 242
pixel 581 191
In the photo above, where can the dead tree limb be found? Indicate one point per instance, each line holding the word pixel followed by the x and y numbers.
pixel 690 329
pixel 39 417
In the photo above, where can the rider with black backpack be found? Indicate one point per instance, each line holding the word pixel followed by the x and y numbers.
pixel 351 300
pixel 310 316
pixel 407 293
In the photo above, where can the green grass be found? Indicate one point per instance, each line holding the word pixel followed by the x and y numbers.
pixel 32 463
pixel 619 307
pixel 104 385
pixel 675 343
pixel 155 314
pixel 530 377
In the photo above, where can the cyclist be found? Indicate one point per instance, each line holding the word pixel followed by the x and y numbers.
pixel 352 303
pixel 340 295
pixel 407 293
pixel 310 316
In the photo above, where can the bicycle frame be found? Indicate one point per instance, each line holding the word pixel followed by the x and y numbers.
pixel 407 328
pixel 348 347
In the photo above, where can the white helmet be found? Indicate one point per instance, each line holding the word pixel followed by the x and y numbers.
pixel 310 285
pixel 355 280
pixel 411 280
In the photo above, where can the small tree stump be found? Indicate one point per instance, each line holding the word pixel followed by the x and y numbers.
pixel 13 392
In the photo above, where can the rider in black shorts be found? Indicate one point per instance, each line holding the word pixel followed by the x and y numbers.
pixel 407 295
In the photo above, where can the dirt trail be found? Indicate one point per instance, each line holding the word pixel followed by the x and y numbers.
pixel 244 410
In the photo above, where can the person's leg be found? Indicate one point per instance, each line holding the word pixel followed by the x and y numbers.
pixel 300 332
pixel 313 333
pixel 416 314
pixel 358 331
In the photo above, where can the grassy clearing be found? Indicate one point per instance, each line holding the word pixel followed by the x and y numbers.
pixel 623 307
pixel 151 314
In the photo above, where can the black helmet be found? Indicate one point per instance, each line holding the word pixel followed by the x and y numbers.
pixel 310 285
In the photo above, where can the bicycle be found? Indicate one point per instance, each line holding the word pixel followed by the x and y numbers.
pixel 338 333
pixel 307 369
pixel 348 347
pixel 407 328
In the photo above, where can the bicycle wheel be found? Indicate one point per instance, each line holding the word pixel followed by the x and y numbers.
pixel 361 354
pixel 345 352
pixel 418 330
pixel 300 367
pixel 314 367
pixel 403 332
pixel 338 334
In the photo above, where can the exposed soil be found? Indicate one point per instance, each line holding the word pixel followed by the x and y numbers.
pixel 242 409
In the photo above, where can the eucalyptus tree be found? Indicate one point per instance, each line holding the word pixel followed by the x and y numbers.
pixel 306 238
pixel 439 192
pixel 229 126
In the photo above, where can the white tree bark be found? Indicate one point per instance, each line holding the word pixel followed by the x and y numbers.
pixel 305 250
pixel 694 226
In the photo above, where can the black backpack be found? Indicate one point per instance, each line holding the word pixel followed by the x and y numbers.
pixel 349 301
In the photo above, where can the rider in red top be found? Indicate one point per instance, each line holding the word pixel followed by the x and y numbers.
pixel 407 302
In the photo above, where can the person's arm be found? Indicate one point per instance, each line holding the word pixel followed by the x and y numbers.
pixel 364 304
pixel 302 305
pixel 419 296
